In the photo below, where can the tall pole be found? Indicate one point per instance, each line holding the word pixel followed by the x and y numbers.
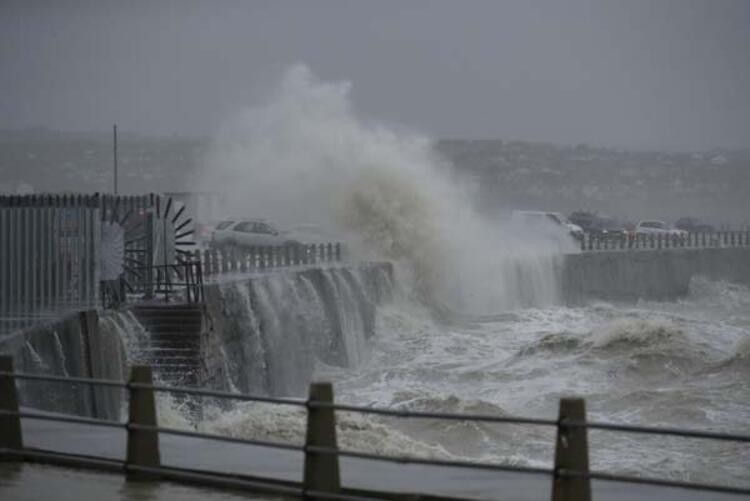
pixel 114 134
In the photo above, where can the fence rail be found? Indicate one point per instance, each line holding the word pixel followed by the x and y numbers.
pixel 220 260
pixel 721 239
pixel 570 477
pixel 55 250
pixel 49 257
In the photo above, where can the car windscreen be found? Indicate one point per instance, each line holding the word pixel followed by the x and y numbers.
pixel 224 225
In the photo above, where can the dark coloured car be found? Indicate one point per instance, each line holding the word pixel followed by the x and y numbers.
pixel 607 226
pixel 597 224
pixel 694 225
pixel 583 219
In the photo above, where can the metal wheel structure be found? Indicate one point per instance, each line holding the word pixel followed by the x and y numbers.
pixel 156 237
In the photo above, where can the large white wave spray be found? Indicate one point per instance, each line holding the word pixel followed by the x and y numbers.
pixel 305 157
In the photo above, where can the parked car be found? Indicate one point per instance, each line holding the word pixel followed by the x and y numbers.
pixel 608 227
pixel 658 227
pixel 583 219
pixel 249 232
pixel 597 224
pixel 694 225
pixel 546 221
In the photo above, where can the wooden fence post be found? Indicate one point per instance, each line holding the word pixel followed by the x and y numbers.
pixel 571 454
pixel 143 445
pixel 321 468
pixel 10 426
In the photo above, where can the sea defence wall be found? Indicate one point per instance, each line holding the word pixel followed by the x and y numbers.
pixel 266 332
pixel 262 333
pixel 78 345
pixel 649 274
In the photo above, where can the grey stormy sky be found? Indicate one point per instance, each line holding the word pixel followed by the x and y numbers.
pixel 666 74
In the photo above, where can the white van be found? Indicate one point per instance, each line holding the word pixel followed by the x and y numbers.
pixel 537 220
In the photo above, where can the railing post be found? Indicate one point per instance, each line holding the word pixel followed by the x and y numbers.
pixel 10 426
pixel 571 482
pixel 321 468
pixel 143 445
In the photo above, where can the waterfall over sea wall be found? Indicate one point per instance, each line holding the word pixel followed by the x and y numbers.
pixel 266 333
pixel 79 345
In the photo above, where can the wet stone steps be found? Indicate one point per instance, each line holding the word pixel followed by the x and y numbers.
pixel 173 346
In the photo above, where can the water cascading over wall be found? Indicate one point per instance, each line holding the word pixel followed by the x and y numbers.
pixel 266 333
pixel 79 345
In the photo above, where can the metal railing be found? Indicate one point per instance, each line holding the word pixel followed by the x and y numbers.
pixel 570 476
pixel 721 239
pixel 51 250
pixel 220 260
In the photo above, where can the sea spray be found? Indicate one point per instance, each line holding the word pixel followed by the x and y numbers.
pixel 305 156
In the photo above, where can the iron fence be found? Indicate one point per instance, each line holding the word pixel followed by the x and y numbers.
pixel 49 256
pixel 65 252
pixel 220 260
pixel 570 477
pixel 652 241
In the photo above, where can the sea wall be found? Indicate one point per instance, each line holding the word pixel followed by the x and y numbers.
pixel 78 345
pixel 648 274
pixel 265 333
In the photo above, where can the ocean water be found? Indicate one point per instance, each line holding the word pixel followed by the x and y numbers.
pixel 684 363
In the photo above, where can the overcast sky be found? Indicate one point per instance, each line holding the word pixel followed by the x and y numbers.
pixel 635 74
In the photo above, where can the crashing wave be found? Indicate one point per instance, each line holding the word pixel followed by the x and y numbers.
pixel 638 333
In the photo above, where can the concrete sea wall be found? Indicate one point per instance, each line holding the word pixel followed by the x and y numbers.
pixel 78 345
pixel 649 274
pixel 265 333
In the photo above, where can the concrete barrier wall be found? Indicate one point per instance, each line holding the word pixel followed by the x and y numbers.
pixel 78 345
pixel 264 333
pixel 651 274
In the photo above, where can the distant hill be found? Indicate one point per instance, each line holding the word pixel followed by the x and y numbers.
pixel 712 185
pixel 633 185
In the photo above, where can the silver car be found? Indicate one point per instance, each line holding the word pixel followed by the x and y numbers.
pixel 658 227
pixel 248 233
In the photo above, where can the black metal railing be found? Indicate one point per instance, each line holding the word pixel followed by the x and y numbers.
pixel 570 476
pixel 650 241
pixel 182 279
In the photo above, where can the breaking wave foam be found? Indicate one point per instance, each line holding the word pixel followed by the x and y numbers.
pixel 638 333
pixel 354 431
